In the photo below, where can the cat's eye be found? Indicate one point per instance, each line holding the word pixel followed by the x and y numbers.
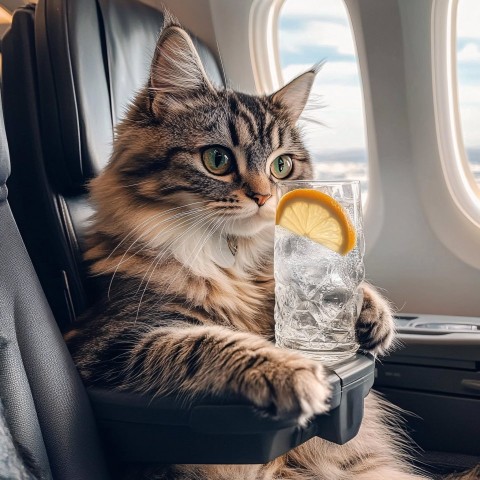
pixel 282 166
pixel 217 160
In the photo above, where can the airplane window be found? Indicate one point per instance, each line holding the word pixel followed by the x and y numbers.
pixel 334 125
pixel 468 77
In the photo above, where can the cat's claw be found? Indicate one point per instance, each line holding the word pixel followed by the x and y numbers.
pixel 289 385
pixel 375 327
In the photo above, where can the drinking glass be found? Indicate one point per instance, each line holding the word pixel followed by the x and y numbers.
pixel 317 294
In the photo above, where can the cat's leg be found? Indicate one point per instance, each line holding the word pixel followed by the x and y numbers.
pixel 375 327
pixel 378 452
pixel 217 360
pixel 190 360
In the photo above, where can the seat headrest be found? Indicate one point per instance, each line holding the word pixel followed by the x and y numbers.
pixel 4 158
pixel 93 56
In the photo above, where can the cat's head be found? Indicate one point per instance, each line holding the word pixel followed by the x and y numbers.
pixel 187 145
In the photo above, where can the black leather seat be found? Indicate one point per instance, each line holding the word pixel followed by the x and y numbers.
pixel 70 68
pixel 45 404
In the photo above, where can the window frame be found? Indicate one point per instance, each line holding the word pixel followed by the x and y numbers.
pixel 263 41
pixel 453 155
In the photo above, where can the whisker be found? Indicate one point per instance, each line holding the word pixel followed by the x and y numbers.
pixel 163 212
pixel 179 216
pixel 159 257
pixel 174 217
pixel 169 229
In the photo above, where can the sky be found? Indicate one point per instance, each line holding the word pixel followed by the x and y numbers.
pixel 314 30
pixel 468 69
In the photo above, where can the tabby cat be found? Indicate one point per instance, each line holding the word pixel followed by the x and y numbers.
pixel 182 240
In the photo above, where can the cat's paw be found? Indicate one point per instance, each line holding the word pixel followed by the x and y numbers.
pixel 375 327
pixel 286 384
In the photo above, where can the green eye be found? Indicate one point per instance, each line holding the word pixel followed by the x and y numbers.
pixel 282 166
pixel 217 160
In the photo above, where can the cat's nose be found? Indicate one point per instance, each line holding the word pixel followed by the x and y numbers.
pixel 261 198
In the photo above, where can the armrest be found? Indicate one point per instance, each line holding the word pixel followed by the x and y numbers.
pixel 144 428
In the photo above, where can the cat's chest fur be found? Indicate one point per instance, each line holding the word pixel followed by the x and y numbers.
pixel 240 295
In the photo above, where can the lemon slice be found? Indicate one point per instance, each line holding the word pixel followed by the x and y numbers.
pixel 316 215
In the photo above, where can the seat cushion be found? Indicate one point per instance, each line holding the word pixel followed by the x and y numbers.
pixel 44 402
pixel 93 56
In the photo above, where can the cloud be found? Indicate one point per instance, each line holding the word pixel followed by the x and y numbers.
pixel 470 53
pixel 342 118
pixel 337 90
pixel 317 33
pixel 468 19
pixel 469 103
pixel 468 58
pixel 469 95
pixel 311 31
pixel 309 9
pixel 339 73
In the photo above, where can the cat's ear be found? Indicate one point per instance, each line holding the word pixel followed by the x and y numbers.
pixel 294 95
pixel 177 70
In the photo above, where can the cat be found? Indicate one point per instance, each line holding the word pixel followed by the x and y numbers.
pixel 181 243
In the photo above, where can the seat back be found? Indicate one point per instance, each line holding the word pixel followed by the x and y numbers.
pixel 45 404
pixel 70 70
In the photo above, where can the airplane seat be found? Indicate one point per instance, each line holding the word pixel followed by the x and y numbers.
pixel 41 395
pixel 70 69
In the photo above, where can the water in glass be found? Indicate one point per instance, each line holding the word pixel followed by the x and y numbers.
pixel 316 289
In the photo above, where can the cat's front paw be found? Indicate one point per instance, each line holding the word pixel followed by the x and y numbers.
pixel 287 384
pixel 375 327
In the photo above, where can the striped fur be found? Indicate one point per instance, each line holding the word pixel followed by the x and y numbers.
pixel 171 317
